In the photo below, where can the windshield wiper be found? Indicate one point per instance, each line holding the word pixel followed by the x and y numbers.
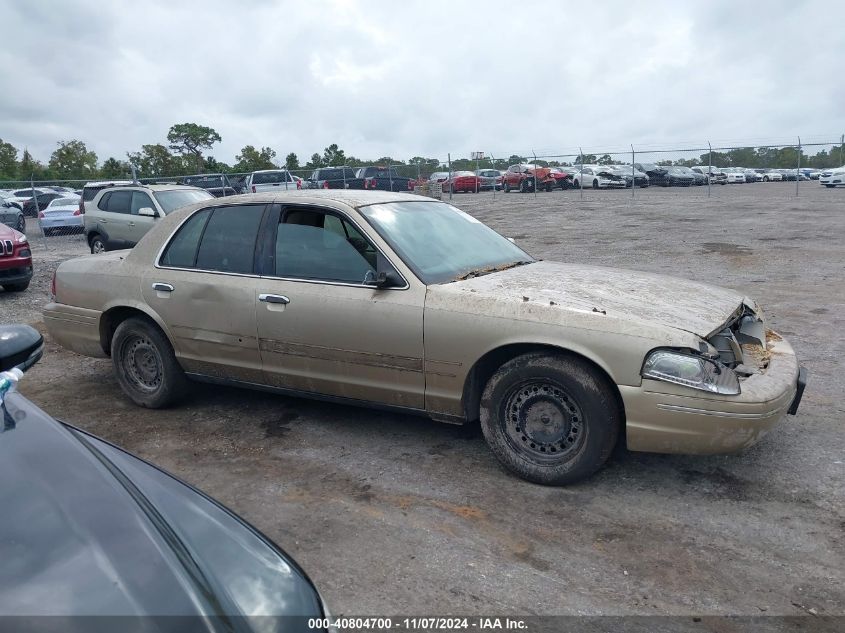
pixel 478 272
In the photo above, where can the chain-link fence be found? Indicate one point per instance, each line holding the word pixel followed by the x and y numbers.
pixel 53 212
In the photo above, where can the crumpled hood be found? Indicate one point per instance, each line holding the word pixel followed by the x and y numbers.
pixel 626 295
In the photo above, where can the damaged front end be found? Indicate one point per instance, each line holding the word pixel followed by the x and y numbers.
pixel 735 351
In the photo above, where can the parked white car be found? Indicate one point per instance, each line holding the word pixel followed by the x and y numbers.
pixel 769 175
pixel 272 180
pixel 62 216
pixel 735 175
pixel 597 177
pixel 833 177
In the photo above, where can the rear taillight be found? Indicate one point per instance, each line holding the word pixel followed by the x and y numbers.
pixel 325 184
pixel 299 184
pixel 253 188
pixel 77 212
pixel 81 209
pixel 53 287
pixel 40 215
pixel 410 185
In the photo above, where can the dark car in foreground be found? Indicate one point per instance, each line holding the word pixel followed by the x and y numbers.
pixel 89 530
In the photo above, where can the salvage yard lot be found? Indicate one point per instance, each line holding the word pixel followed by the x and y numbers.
pixel 392 514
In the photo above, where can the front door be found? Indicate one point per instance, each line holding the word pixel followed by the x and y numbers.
pixel 138 225
pixel 322 329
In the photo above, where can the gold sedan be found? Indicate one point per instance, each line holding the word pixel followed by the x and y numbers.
pixel 397 301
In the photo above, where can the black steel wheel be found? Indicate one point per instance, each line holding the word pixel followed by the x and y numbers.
pixel 551 419
pixel 145 365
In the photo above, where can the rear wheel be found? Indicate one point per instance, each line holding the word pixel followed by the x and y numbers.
pixel 145 365
pixel 549 186
pixel 595 184
pixel 96 243
pixel 506 187
pixel 549 418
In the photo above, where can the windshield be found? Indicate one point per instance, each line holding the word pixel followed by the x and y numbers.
pixel 171 200
pixel 439 242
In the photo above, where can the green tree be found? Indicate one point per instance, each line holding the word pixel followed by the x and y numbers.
pixel 586 159
pixel 315 163
pixel 189 139
pixel 251 159
pixel 114 168
pixel 605 159
pixel 29 167
pixel 8 160
pixel 155 160
pixel 292 161
pixel 213 166
pixel 73 160
pixel 333 156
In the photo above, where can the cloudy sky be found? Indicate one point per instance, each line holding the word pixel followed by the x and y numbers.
pixel 407 78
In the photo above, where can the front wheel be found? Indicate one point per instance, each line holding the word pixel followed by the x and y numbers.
pixel 506 187
pixel 595 184
pixel 550 418
pixel 145 365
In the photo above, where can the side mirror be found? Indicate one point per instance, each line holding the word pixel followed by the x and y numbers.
pixel 148 212
pixel 382 279
pixel 21 346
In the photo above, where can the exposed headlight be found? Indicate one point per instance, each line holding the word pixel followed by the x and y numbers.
pixel 696 372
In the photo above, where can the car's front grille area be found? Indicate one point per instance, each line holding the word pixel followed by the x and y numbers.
pixel 7 247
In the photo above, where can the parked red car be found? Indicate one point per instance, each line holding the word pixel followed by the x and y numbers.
pixel 15 260
pixel 525 177
pixel 562 178
pixel 462 181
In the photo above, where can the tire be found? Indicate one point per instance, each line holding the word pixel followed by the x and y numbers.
pixel 21 224
pixel 48 232
pixel 576 183
pixel 549 186
pixel 522 186
pixel 16 287
pixel 830 186
pixel 550 418
pixel 506 187
pixel 145 365
pixel 95 241
pixel 595 184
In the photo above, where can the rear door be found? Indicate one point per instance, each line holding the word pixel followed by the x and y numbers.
pixel 114 216
pixel 203 287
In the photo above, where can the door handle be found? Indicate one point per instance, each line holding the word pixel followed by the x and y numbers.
pixel 160 287
pixel 274 299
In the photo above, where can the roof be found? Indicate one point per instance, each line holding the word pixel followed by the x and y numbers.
pixel 351 197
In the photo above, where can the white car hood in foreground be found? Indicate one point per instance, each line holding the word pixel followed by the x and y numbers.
pixel 650 300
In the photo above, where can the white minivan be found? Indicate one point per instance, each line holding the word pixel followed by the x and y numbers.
pixel 271 180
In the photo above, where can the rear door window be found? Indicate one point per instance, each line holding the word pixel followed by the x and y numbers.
pixel 228 242
pixel 182 250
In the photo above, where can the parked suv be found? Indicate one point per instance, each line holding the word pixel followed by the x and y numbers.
pixel 15 260
pixel 91 189
pixel 271 180
pixel 119 216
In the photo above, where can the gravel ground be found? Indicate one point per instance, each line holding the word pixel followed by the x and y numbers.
pixel 395 515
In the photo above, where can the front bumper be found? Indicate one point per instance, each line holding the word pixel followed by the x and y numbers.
pixel 16 272
pixel 667 418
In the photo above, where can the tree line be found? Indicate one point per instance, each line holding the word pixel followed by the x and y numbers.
pixel 188 148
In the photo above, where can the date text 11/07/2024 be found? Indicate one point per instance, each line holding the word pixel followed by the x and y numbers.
pixel 418 624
